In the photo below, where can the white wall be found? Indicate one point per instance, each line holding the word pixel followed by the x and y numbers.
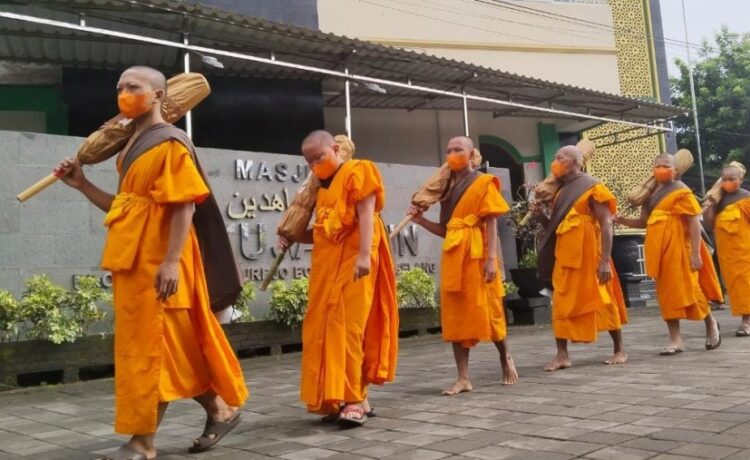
pixel 419 137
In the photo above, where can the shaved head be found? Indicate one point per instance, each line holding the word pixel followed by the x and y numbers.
pixel 319 137
pixel 153 77
pixel 573 153
pixel 465 141
pixel 317 145
pixel 665 159
pixel 732 172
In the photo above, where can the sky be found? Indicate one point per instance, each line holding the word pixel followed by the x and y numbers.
pixel 704 17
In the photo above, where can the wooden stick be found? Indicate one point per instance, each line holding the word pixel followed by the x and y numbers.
pixel 526 219
pixel 37 187
pixel 400 226
pixel 274 269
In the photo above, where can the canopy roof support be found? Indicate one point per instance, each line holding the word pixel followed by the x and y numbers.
pixel 345 75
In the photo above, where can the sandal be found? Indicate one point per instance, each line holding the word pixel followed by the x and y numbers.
pixel 709 344
pixel 124 452
pixel 743 332
pixel 333 418
pixel 670 350
pixel 346 418
pixel 218 430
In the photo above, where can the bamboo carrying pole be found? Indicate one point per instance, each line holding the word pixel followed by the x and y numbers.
pixel 274 268
pixel 37 187
pixel 186 90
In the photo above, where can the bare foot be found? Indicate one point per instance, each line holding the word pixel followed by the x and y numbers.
pixel 560 362
pixel 461 386
pixel 617 358
pixel 510 375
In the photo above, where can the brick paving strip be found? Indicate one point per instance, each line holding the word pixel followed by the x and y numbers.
pixel 693 405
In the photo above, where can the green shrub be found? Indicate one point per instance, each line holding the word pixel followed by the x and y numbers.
pixel 82 302
pixel 59 315
pixel 288 303
pixel 416 289
pixel 510 287
pixel 528 260
pixel 9 316
pixel 243 302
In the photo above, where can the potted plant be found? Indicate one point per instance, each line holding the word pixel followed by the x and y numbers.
pixel 530 307
pixel 527 232
pixel 418 310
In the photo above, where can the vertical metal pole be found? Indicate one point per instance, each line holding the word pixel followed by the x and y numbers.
pixel 348 120
pixel 466 115
pixel 695 103
pixel 189 115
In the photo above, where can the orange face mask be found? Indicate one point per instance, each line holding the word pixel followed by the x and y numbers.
pixel 457 161
pixel 730 186
pixel 326 167
pixel 558 169
pixel 663 173
pixel 133 105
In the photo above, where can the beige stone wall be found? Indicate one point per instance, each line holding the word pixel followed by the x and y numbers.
pixel 488 35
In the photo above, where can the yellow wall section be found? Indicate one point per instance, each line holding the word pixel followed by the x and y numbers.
pixel 625 165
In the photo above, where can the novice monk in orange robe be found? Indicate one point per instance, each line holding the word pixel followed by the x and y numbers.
pixel 350 330
pixel 471 291
pixel 673 254
pixel 730 221
pixel 708 278
pixel 576 249
pixel 168 344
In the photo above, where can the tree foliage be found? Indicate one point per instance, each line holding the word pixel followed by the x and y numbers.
pixel 722 83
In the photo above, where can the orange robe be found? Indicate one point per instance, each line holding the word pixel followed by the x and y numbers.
pixel 176 348
pixel 732 229
pixel 350 330
pixel 471 309
pixel 708 279
pixel 581 307
pixel 667 249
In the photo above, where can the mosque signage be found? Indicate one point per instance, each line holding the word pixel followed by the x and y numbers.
pixel 261 192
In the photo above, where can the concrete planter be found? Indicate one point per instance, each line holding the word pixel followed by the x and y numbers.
pixel 535 310
pixel 527 282
pixel 37 362
pixel 418 321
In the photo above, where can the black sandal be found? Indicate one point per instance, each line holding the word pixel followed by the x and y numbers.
pixel 218 430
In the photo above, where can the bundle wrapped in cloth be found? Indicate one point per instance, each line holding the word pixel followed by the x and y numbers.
pixel 638 196
pixel 184 92
pixel 295 220
pixel 717 193
pixel 434 189
pixel 544 193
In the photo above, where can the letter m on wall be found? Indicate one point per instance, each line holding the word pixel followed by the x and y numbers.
pixel 242 169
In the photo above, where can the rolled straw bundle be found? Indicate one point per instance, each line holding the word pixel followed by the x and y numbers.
pixel 545 191
pixel 717 193
pixel 638 196
pixel 434 189
pixel 184 92
pixel 295 220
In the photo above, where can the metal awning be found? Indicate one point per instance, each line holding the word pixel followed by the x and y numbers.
pixel 118 33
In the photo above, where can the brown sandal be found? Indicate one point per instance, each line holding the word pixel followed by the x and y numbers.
pixel 218 430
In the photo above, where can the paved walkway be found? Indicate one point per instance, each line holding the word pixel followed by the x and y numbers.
pixel 696 404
